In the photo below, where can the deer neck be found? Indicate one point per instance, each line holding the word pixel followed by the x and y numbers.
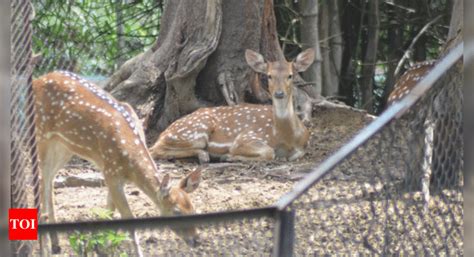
pixel 144 175
pixel 285 121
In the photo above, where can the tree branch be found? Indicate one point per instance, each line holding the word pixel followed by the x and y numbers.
pixel 407 53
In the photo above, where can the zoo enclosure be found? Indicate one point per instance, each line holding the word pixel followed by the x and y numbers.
pixel 365 198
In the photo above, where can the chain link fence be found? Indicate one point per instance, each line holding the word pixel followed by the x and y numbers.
pixel 395 190
pixel 24 162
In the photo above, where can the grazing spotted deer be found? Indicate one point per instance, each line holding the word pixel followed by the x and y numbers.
pixel 247 131
pixel 421 147
pixel 75 117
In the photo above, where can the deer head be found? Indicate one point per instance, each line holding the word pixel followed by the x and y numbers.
pixel 175 201
pixel 280 76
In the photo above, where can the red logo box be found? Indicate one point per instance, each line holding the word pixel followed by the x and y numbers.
pixel 23 224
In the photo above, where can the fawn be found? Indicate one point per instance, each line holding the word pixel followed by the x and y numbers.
pixel 247 131
pixel 75 117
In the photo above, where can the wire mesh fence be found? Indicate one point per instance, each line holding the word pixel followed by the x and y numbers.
pixel 400 192
pixel 23 152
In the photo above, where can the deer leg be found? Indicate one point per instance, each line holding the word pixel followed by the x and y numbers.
pixel 255 150
pixel 427 162
pixel 110 203
pixel 296 154
pixel 52 158
pixel 176 153
pixel 119 200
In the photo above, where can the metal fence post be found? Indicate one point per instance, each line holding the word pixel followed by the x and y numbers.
pixel 284 233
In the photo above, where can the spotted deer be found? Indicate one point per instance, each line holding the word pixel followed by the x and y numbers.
pixel 408 80
pixel 75 117
pixel 246 131
pixel 420 146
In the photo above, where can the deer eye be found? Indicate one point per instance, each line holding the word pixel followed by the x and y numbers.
pixel 290 76
pixel 269 76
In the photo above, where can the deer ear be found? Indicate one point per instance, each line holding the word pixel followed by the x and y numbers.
pixel 165 186
pixel 191 181
pixel 255 61
pixel 304 60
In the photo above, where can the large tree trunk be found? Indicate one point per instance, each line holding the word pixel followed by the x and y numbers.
pixel 394 52
pixel 370 58
pixel 456 25
pixel 119 24
pixel 330 29
pixel 336 48
pixel 351 20
pixel 198 59
pixel 310 39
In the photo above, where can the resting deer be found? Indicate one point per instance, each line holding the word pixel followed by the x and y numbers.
pixel 247 131
pixel 75 117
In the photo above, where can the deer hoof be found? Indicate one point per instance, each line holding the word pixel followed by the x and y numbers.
pixel 203 157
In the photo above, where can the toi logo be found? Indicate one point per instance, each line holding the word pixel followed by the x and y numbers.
pixel 23 224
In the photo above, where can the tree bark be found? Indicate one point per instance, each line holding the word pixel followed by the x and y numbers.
pixel 330 29
pixel 253 27
pixel 310 39
pixel 197 60
pixel 336 49
pixel 456 25
pixel 325 55
pixel 119 27
pixel 370 58
pixel 351 19
pixel 160 82
pixel 394 52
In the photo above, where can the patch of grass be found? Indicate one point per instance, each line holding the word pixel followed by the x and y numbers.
pixel 105 242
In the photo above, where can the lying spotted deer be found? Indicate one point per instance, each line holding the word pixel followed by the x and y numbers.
pixel 403 87
pixel 75 117
pixel 247 131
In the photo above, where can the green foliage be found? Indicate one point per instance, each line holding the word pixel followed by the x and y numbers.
pixel 92 36
pixel 104 242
